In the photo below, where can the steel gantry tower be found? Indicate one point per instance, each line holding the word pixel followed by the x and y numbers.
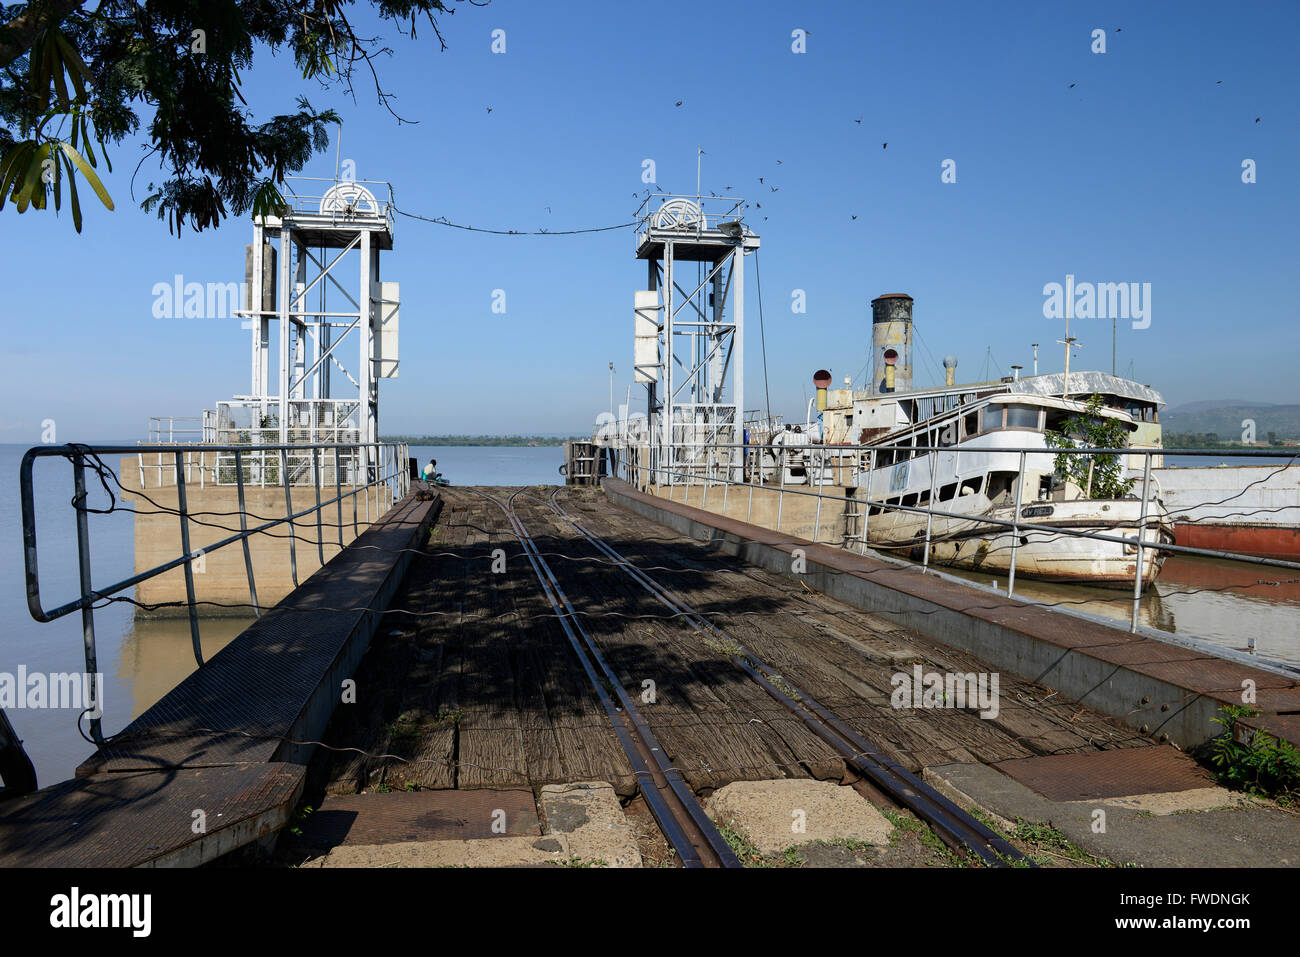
pixel 302 274
pixel 690 325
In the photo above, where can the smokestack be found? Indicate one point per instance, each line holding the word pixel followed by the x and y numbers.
pixel 822 380
pixel 1015 373
pixel 891 339
pixel 950 371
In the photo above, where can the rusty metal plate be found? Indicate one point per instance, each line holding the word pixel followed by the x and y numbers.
pixel 403 816
pixel 1285 727
pixel 125 820
pixel 1105 774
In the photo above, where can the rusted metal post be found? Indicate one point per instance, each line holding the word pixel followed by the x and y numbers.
pixel 929 505
pixel 1142 533
pixel 87 597
pixel 817 521
pixel 288 511
pixel 780 496
pixel 1015 527
pixel 243 527
pixel 866 515
pixel 338 495
pixel 189 568
pixel 315 480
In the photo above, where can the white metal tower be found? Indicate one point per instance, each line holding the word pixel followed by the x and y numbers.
pixel 303 274
pixel 689 345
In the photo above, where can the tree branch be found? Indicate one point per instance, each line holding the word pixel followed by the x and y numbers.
pixel 18 35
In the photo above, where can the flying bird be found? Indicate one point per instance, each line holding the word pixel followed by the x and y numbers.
pixel 728 187
pixel 884 146
pixel 548 209
pixel 1218 81
pixel 858 121
pixel 855 216
pixel 774 188
pixel 679 102
pixel 778 162
pixel 1072 86
pixel 760 179
pixel 489 109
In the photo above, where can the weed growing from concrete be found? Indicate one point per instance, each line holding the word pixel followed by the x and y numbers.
pixel 1267 767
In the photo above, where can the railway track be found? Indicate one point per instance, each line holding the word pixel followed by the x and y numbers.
pixel 674 805
pixel 957 828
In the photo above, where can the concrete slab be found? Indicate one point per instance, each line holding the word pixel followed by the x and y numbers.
pixel 585 827
pixel 589 814
pixel 778 814
pixel 1175 829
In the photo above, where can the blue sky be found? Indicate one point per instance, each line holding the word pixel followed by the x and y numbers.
pixel 1132 175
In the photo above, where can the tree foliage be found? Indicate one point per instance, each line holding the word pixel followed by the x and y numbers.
pixel 77 75
pixel 1090 430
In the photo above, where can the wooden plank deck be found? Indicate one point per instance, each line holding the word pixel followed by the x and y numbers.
pixel 480 684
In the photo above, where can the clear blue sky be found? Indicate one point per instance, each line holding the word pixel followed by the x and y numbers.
pixel 1132 175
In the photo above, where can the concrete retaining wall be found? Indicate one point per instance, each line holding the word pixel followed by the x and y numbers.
pixel 221 577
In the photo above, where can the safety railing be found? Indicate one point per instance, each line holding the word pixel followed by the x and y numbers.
pixel 373 468
pixel 713 467
pixel 175 428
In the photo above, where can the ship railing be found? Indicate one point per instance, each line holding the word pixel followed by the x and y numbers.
pixel 383 475
pixel 643 468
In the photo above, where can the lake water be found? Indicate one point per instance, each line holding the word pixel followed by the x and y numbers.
pixel 140 660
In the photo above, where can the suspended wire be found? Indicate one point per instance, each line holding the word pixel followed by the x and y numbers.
pixel 443 221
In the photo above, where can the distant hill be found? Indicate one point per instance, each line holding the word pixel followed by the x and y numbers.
pixel 1224 416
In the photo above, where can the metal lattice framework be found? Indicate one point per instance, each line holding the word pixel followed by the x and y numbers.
pixel 303 274
pixel 690 351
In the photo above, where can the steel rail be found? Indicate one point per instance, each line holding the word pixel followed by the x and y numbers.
pixel 681 817
pixel 955 826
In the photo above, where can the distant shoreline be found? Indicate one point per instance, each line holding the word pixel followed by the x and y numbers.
pixel 481 441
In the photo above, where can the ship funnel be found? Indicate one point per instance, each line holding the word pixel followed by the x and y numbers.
pixel 822 380
pixel 1015 373
pixel 950 371
pixel 891 340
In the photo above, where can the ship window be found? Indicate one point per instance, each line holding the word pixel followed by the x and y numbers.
pixel 910 500
pixel 972 486
pixel 1000 484
pixel 923 499
pixel 972 424
pixel 1022 417
pixel 947 492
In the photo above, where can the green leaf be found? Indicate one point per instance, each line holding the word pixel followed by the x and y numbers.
pixel 89 173
pixel 31 194
pixel 72 196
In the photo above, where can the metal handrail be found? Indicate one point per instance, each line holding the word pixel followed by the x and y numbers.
pixel 699 473
pixel 382 464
